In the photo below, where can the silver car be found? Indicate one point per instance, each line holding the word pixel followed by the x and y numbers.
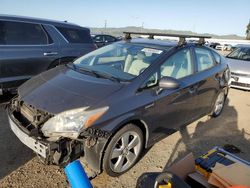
pixel 239 64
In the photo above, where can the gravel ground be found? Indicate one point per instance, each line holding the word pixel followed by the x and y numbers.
pixel 20 168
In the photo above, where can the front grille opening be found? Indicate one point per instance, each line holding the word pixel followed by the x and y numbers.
pixel 25 123
pixel 33 115
pixel 29 118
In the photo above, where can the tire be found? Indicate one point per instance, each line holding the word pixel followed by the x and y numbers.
pixel 53 64
pixel 123 150
pixel 219 104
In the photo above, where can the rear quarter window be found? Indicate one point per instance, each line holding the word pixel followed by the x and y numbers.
pixel 75 35
pixel 216 57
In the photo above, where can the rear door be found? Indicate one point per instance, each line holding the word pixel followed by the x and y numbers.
pixel 208 77
pixel 77 41
pixel 26 50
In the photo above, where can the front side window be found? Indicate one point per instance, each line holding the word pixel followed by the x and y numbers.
pixel 178 65
pixel 20 33
pixel 75 35
pixel 151 82
pixel 204 59
pixel 122 60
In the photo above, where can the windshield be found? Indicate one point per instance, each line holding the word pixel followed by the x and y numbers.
pixel 241 53
pixel 118 61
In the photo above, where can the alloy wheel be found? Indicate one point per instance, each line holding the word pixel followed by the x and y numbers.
pixel 125 151
pixel 219 103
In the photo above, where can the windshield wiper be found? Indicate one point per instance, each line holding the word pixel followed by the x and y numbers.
pixel 99 74
pixel 108 76
pixel 82 69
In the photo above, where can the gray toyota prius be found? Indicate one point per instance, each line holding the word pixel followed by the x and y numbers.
pixel 114 102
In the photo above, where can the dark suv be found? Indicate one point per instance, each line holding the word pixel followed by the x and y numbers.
pixel 29 46
pixel 112 103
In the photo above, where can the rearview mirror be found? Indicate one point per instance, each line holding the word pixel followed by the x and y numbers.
pixel 168 83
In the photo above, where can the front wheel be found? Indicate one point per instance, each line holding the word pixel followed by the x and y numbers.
pixel 219 104
pixel 123 151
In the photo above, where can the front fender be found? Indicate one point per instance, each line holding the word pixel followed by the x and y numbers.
pixel 94 154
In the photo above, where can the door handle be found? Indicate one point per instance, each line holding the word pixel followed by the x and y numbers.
pixel 192 89
pixel 150 105
pixel 49 53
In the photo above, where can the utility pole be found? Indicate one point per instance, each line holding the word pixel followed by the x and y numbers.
pixel 142 25
pixel 248 31
pixel 105 26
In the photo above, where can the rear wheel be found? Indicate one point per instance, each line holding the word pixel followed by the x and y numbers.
pixel 123 150
pixel 219 104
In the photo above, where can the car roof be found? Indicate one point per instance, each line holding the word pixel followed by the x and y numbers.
pixel 152 42
pixel 38 20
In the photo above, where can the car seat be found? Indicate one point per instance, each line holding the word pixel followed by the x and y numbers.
pixel 138 65
pixel 178 66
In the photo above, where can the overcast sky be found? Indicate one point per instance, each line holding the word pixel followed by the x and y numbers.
pixel 202 16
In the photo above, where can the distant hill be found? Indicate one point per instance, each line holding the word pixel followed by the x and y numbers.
pixel 118 32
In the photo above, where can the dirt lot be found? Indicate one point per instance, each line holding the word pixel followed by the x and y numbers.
pixel 20 168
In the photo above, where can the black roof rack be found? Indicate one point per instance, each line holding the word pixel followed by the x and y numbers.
pixel 182 37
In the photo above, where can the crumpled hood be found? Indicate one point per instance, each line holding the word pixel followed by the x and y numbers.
pixel 62 89
pixel 239 66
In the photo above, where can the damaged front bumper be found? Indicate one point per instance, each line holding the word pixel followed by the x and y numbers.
pixel 36 145
pixel 91 144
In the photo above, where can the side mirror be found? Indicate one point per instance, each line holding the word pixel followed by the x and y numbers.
pixel 168 83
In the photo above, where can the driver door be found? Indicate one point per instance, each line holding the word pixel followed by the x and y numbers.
pixel 171 109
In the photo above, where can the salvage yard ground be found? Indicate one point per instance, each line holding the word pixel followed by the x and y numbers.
pixel 19 167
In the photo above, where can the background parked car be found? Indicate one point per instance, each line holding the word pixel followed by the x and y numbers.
pixel 239 63
pixel 102 40
pixel 213 44
pixel 29 46
pixel 224 47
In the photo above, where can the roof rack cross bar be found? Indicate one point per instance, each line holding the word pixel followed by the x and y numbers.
pixel 151 36
pixel 182 37
pixel 127 36
pixel 201 41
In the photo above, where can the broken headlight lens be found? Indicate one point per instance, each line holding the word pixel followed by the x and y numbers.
pixel 70 123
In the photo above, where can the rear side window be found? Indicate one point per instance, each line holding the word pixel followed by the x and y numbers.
pixel 20 33
pixel 75 35
pixel 109 39
pixel 99 38
pixel 204 59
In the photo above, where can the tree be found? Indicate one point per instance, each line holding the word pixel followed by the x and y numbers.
pixel 248 31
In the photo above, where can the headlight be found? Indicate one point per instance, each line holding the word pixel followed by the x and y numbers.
pixel 70 123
